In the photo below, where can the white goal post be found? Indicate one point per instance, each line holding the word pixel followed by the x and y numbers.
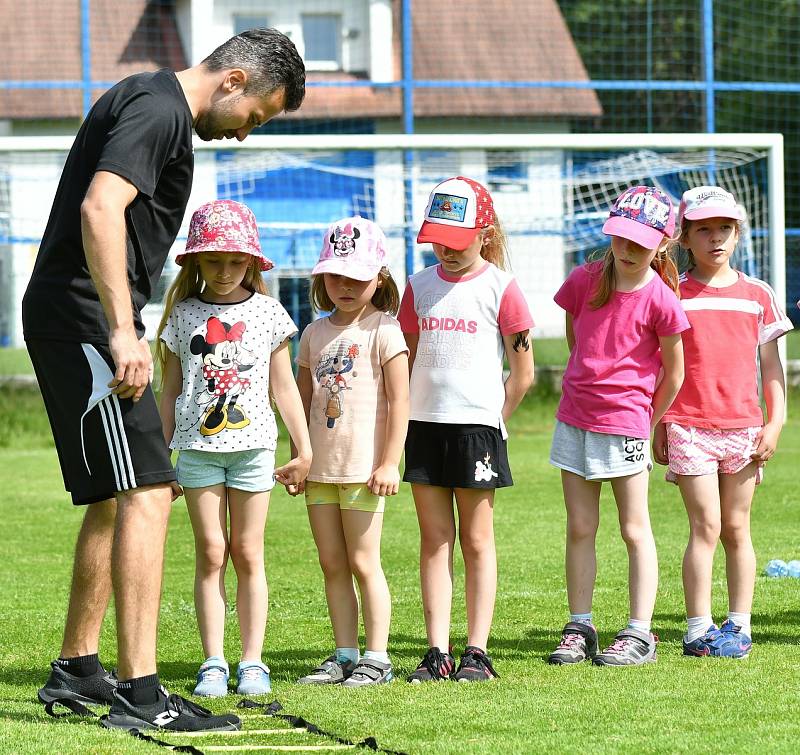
pixel 551 191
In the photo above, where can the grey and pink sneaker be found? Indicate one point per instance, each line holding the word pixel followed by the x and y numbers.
pixel 578 643
pixel 631 647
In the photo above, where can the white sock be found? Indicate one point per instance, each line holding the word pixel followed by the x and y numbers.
pixel 697 626
pixel 741 620
pixel 581 618
pixel 348 654
pixel 375 655
pixel 642 626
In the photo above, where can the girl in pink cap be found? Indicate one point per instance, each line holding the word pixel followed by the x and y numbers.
pixel 713 437
pixel 223 351
pixel 353 378
pixel 462 319
pixel 624 325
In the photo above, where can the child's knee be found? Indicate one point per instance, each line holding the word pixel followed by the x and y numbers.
pixel 211 555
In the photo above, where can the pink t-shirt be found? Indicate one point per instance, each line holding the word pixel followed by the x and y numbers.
pixel 720 352
pixel 457 377
pixel 347 423
pixel 611 375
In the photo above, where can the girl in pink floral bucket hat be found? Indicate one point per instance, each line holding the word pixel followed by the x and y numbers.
pixel 223 350
pixel 224 226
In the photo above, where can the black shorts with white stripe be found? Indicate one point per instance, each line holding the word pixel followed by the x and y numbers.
pixel 105 444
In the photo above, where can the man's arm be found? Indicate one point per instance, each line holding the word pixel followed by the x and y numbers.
pixel 104 243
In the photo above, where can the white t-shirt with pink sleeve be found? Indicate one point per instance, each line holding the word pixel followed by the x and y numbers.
pixel 457 376
pixel 611 375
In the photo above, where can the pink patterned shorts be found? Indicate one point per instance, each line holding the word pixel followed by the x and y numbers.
pixel 702 451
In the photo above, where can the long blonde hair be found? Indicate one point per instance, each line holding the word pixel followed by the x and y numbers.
pixel 495 247
pixel 189 283
pixel 663 263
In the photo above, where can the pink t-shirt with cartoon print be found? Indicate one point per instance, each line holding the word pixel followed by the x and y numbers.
pixel 347 421
pixel 457 376
pixel 611 375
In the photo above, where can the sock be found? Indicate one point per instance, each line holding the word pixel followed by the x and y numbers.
pixel 143 690
pixel 348 654
pixel 581 618
pixel 81 665
pixel 376 656
pixel 741 620
pixel 697 626
pixel 642 626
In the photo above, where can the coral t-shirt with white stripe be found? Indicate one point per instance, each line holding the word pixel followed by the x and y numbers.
pixel 720 352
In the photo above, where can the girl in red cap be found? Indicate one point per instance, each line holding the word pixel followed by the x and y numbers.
pixel 460 319
pixel 223 350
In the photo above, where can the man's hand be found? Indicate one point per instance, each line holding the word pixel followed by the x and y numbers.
pixel 133 362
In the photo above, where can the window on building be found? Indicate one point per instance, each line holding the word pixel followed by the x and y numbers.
pixel 507 171
pixel 243 22
pixel 322 40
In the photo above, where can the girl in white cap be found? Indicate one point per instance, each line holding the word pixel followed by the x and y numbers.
pixel 353 378
pixel 713 437
pixel 624 326
pixel 223 350
pixel 461 318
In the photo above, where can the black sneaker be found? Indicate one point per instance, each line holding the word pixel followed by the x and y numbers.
pixel 436 666
pixel 169 712
pixel 97 689
pixel 475 666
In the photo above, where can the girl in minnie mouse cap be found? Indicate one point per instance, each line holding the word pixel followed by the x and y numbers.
pixel 223 349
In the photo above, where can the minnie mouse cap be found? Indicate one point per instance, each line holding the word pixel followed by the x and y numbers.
pixel 457 210
pixel 642 214
pixel 224 226
pixel 709 202
pixel 354 247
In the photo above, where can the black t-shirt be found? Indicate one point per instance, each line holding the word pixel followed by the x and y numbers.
pixel 140 129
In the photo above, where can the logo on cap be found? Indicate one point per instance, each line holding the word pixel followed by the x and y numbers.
pixel 448 207
pixel 645 205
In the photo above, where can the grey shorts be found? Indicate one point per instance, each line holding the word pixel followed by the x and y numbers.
pixel 598 456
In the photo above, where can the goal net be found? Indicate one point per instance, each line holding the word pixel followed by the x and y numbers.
pixel 551 192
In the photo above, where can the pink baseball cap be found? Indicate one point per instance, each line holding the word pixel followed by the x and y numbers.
pixel 457 210
pixel 224 226
pixel 642 214
pixel 703 202
pixel 354 247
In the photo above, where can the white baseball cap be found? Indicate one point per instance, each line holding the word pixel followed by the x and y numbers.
pixel 703 202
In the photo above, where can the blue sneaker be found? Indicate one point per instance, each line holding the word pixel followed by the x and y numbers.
pixel 253 678
pixel 702 646
pixel 732 642
pixel 212 678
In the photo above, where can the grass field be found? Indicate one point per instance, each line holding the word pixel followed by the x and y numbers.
pixel 676 705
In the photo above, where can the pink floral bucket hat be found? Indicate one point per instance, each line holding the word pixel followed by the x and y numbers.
pixel 224 226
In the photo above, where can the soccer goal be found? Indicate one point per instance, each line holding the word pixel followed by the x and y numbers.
pixel 551 192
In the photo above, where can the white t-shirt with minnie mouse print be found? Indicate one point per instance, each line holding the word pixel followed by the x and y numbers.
pixel 225 352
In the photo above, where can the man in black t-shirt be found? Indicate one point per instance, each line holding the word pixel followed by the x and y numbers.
pixel 116 213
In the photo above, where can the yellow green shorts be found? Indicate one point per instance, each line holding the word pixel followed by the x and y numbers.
pixel 350 495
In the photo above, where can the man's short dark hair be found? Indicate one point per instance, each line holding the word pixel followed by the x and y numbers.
pixel 271 61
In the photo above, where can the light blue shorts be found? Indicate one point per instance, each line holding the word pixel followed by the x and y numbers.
pixel 598 456
pixel 250 471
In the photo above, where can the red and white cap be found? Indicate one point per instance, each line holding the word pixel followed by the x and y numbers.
pixel 457 210
pixel 709 202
